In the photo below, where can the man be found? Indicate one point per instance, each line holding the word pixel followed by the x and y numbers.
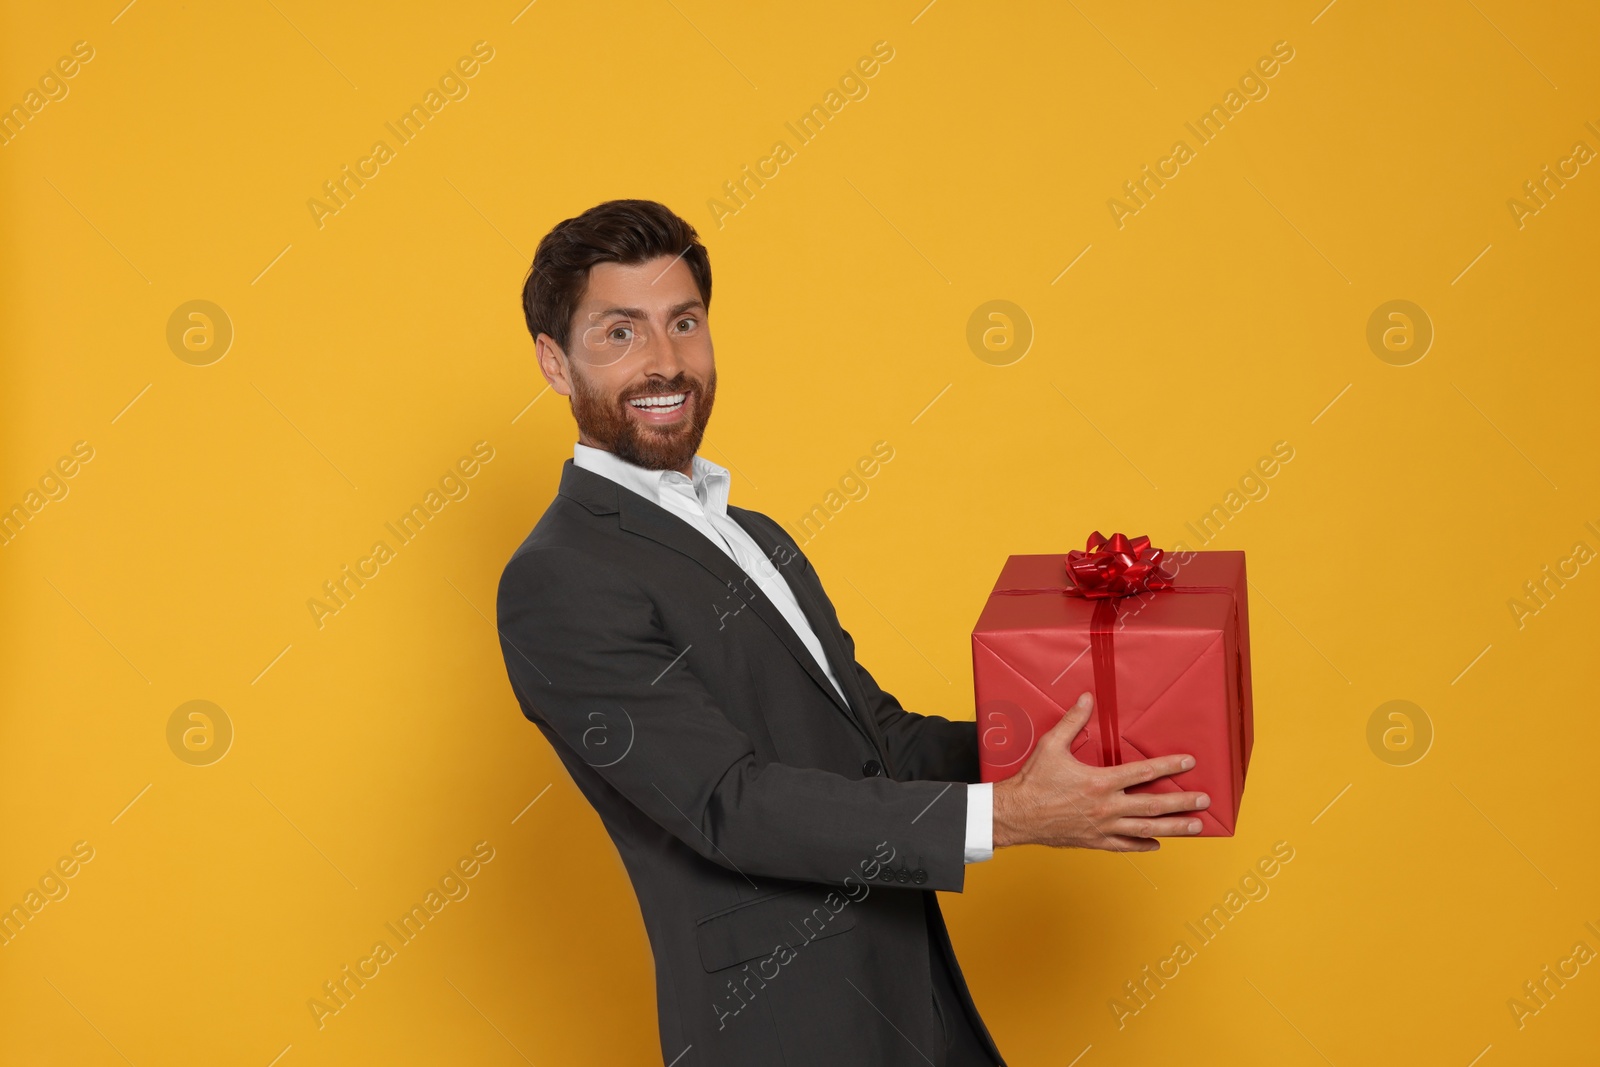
pixel 784 820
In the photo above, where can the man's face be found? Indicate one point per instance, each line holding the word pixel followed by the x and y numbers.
pixel 638 365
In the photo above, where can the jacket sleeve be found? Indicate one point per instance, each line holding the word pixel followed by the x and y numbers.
pixel 920 746
pixel 588 657
pixel 926 747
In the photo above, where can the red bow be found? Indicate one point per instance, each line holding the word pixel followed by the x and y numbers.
pixel 1116 567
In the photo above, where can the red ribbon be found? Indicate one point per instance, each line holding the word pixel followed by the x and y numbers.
pixel 1110 569
pixel 1105 678
pixel 1117 566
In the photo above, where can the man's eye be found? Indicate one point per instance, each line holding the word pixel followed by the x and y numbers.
pixel 622 333
pixel 685 325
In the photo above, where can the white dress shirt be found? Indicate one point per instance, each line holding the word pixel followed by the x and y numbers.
pixel 702 502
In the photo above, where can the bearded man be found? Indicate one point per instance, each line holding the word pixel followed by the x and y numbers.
pixel 785 822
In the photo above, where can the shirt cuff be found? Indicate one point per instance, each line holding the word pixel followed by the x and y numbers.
pixel 980 822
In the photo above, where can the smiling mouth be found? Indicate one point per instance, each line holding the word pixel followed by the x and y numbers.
pixel 659 404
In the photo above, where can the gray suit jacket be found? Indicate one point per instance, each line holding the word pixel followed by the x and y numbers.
pixel 784 845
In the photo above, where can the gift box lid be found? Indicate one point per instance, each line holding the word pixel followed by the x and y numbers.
pixel 1009 607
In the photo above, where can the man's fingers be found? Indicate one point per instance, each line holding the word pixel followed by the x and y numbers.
pixel 1120 843
pixel 1073 721
pixel 1148 805
pixel 1148 770
pixel 1171 826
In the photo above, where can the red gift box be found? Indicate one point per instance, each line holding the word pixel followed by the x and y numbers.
pixel 1162 642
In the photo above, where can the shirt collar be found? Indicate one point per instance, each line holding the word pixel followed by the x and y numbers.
pixel 710 483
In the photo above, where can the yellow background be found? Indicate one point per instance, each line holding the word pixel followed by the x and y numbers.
pixel 372 352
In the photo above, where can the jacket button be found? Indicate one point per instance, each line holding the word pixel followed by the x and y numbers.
pixel 872 768
pixel 919 876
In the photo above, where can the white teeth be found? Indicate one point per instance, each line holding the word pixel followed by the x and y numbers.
pixel 659 403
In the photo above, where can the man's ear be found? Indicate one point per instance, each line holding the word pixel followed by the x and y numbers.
pixel 553 364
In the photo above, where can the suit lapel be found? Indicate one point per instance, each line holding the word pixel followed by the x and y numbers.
pixel 637 515
pixel 844 667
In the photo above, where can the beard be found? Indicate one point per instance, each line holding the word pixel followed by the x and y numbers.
pixel 605 421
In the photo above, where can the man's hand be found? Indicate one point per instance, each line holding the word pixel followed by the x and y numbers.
pixel 1056 800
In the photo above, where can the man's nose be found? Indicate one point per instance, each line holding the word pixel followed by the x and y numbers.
pixel 661 356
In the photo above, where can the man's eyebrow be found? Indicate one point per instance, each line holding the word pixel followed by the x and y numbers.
pixel 639 313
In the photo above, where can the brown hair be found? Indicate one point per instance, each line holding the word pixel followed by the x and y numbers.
pixel 618 231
